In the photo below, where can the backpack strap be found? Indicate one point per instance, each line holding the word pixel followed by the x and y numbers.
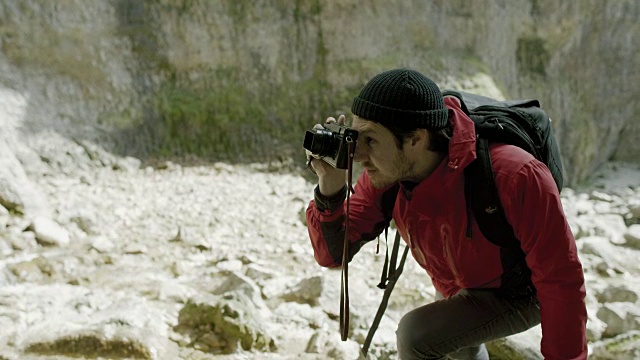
pixel 482 198
pixel 480 190
pixel 481 194
pixel 393 278
pixel 387 204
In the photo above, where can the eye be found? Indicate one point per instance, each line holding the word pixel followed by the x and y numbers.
pixel 369 141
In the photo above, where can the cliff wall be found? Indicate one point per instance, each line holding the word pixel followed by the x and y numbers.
pixel 241 80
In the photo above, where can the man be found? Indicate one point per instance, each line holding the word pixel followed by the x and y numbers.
pixel 409 134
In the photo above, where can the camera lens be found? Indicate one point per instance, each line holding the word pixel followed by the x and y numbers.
pixel 321 142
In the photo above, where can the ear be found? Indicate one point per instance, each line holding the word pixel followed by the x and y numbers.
pixel 419 138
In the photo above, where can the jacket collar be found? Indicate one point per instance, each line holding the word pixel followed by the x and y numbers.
pixel 462 146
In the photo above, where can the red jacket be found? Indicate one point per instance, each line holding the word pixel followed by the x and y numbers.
pixel 433 224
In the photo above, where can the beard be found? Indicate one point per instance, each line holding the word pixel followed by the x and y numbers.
pixel 379 183
pixel 397 170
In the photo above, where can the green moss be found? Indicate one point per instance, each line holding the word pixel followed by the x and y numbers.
pixel 501 350
pixel 239 11
pixel 304 10
pixel 227 118
pixel 91 345
pixel 623 342
pixel 226 115
pixel 532 56
pixel 120 120
pixel 228 319
pixel 194 315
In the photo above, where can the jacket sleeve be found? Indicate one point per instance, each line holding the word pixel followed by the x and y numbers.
pixel 326 221
pixel 533 207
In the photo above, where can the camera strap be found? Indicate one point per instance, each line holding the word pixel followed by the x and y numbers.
pixel 392 277
pixel 344 283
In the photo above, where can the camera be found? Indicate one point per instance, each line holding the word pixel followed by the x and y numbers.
pixel 331 144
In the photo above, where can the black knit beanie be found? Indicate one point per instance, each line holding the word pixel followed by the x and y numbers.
pixel 402 96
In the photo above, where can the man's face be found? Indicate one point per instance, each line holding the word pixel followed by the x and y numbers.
pixel 379 154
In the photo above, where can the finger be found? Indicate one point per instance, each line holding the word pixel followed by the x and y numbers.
pixel 330 119
pixel 319 166
pixel 310 154
pixel 341 120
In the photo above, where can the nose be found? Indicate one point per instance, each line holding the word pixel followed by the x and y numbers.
pixel 360 154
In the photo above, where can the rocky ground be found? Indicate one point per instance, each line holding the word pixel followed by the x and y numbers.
pixel 101 257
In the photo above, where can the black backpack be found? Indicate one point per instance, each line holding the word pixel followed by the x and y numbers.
pixel 521 123
pixel 518 122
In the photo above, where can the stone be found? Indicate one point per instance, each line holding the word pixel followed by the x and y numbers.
pixel 49 232
pixel 522 346
pixel 85 223
pixel 307 291
pixel 102 245
pixel 238 283
pixel 316 343
pixel 634 213
pixel 620 317
pixel 232 317
pixel 611 226
pixel 90 323
pixel 21 241
pixel 632 236
pixel 600 196
pixel 617 294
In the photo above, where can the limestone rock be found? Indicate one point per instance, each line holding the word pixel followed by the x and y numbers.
pixel 307 291
pixel 49 232
pixel 620 317
pixel 632 236
pixel 231 317
pixel 523 346
pixel 82 322
pixel 617 294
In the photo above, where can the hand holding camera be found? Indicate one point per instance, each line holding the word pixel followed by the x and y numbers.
pixel 330 144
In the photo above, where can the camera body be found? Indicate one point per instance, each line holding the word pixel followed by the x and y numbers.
pixel 331 143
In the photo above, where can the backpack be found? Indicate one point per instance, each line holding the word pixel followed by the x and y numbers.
pixel 521 123
pixel 516 122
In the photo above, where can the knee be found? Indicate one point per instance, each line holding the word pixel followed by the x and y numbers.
pixel 412 339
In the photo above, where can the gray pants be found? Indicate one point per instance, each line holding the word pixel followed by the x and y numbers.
pixel 458 327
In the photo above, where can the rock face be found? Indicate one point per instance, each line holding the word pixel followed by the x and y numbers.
pixel 139 73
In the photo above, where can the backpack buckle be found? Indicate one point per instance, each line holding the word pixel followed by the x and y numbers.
pixel 491 209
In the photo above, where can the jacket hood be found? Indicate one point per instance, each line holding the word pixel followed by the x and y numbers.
pixel 462 146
